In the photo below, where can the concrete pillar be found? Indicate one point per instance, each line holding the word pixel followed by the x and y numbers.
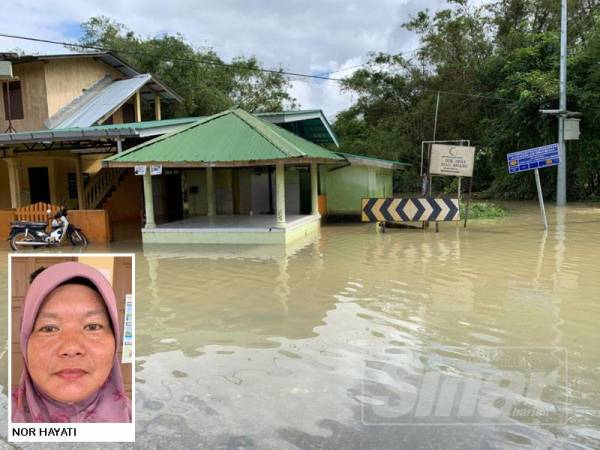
pixel 149 200
pixel 280 197
pixel 211 201
pixel 138 107
pixel 157 111
pixel 14 180
pixel 79 179
pixel 314 188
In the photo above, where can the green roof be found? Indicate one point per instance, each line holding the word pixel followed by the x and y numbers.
pixel 310 124
pixel 138 125
pixel 97 132
pixel 233 136
pixel 374 162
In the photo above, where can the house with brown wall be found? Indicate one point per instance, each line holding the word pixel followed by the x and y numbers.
pixel 54 94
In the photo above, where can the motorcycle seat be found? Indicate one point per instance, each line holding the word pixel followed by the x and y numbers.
pixel 24 223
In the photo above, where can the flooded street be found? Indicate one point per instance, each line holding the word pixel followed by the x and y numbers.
pixel 356 338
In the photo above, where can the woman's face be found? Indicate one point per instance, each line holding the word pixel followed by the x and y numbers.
pixel 71 348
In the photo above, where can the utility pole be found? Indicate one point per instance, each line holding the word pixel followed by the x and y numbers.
pixel 561 180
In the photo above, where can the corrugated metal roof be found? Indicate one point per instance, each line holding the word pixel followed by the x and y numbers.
pixel 98 104
pixel 140 125
pixel 227 137
pixel 310 124
pixel 108 58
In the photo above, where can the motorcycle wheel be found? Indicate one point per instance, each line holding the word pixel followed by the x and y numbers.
pixel 21 237
pixel 78 238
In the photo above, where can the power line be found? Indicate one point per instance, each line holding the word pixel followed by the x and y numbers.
pixel 234 66
pixel 367 62
pixel 189 60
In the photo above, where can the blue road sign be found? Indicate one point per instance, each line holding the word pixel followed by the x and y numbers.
pixel 533 158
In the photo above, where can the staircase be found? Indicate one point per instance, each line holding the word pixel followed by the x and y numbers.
pixel 100 186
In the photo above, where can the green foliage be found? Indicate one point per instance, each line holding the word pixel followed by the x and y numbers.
pixel 205 82
pixel 506 54
pixel 484 210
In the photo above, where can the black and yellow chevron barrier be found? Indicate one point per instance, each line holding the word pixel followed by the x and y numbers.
pixel 415 209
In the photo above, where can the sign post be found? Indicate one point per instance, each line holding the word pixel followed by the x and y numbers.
pixel 453 160
pixel 535 159
pixel 538 183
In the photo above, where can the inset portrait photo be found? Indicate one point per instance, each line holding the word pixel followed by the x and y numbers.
pixel 71 335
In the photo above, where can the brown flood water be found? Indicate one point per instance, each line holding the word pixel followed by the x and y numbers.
pixel 481 338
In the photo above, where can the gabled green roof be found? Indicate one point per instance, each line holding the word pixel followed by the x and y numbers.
pixel 228 138
pixel 361 160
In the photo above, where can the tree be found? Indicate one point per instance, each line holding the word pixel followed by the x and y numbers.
pixel 207 84
pixel 495 67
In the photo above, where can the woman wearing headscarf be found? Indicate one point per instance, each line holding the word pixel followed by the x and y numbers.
pixel 69 340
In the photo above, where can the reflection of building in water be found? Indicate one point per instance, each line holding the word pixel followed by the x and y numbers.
pixel 211 294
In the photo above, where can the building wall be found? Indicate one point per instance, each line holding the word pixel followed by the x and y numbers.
pixel 62 167
pixel 125 203
pixel 47 86
pixel 346 187
pixel 292 191
pixel 259 191
pixel 244 188
pixel 223 191
pixel 259 187
pixel 67 79
pixel 58 170
pixel 195 179
pixel 252 195
pixel 33 93
pixel 4 186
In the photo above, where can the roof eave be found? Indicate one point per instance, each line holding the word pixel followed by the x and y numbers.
pixel 296 116
pixel 113 162
pixel 58 136
pixel 379 163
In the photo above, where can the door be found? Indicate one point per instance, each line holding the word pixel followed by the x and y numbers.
pixel 305 197
pixel 39 184
pixel 174 197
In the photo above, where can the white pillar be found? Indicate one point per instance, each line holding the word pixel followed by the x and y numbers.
pixel 314 188
pixel 79 179
pixel 280 197
pixel 149 200
pixel 211 203
pixel 14 180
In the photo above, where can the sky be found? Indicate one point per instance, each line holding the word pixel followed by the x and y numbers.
pixel 308 36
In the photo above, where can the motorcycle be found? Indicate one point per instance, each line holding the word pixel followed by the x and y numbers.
pixel 25 235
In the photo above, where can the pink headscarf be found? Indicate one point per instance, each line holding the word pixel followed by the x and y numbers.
pixel 109 403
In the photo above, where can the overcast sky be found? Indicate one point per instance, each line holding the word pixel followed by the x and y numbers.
pixel 308 36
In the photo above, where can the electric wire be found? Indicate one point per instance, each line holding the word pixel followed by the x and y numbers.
pixel 234 66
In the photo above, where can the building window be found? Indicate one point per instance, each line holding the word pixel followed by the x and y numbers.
pixel 11 91
pixel 72 181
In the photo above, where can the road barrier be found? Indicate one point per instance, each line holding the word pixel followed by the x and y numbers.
pixel 416 209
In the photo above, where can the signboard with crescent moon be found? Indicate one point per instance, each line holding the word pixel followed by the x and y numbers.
pixel 453 160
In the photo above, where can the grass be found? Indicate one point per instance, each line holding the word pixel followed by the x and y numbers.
pixel 484 210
